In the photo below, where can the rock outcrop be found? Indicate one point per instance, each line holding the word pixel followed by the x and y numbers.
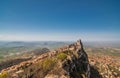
pixel 76 65
pixel 67 62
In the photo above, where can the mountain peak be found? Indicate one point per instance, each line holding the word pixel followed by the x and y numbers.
pixel 66 62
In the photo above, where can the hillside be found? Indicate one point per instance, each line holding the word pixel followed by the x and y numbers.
pixel 66 62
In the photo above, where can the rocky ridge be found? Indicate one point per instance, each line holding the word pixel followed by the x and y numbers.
pixel 67 62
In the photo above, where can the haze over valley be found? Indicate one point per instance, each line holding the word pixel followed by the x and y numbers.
pixel 59 38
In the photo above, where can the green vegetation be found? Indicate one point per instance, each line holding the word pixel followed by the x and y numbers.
pixel 62 56
pixel 4 75
pixel 106 51
pixel 7 53
pixel 1 57
pixel 48 63
pixel 41 69
pixel 44 66
pixel 13 55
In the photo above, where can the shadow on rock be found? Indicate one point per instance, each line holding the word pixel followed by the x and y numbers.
pixel 94 73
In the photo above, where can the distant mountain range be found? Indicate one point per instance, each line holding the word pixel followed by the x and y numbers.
pixel 41 43
pixel 57 43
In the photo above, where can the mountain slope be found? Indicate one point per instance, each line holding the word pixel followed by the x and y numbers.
pixel 67 62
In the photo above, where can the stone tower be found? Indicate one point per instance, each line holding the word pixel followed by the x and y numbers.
pixel 79 44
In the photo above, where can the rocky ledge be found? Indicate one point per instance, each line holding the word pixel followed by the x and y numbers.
pixel 67 62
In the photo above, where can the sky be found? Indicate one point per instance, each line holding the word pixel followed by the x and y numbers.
pixel 59 20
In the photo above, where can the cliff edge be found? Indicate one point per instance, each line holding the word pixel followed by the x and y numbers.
pixel 66 62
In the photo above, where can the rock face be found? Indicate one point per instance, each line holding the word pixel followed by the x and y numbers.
pixel 76 65
pixel 67 62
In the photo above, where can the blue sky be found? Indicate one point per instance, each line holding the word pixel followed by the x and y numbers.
pixel 60 20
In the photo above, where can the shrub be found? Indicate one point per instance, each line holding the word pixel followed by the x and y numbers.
pixel 62 56
pixel 48 64
pixel 4 75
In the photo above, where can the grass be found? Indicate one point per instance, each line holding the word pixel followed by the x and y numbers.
pixel 48 63
pixel 61 56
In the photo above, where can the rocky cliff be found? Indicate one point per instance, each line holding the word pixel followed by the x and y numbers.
pixel 67 62
pixel 76 64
